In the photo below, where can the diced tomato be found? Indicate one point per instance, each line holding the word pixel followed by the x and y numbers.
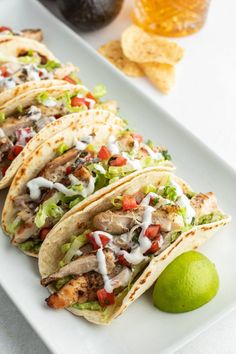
pixel 91 96
pixel 78 101
pixel 57 116
pixel 43 233
pixel 137 137
pixel 3 170
pixel 154 247
pixel 153 231
pixel 123 261
pixel 68 170
pixel 118 161
pixel 104 240
pixel 104 153
pixel 105 298
pixel 129 202
pixel 4 71
pixel 40 73
pixel 70 80
pixel 15 150
pixel 4 28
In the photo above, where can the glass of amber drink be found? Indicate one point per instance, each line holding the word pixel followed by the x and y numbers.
pixel 171 18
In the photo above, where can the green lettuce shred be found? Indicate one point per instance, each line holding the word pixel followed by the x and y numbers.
pixel 49 209
pixel 62 148
pixel 2 117
pixel 30 246
pixel 50 65
pixel 99 91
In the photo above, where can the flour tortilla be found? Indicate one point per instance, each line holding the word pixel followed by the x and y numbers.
pixel 100 123
pixel 12 46
pixel 26 99
pixel 50 252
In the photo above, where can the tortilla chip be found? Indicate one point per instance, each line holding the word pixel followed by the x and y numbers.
pixel 161 75
pixel 143 47
pixel 113 52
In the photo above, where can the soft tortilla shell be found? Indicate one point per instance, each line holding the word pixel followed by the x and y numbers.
pixel 50 253
pixel 76 125
pixel 26 99
pixel 13 46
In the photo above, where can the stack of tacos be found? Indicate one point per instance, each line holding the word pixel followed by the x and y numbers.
pixel 98 205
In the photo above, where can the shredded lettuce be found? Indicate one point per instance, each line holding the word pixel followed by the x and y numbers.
pixel 75 201
pixel 30 246
pixel 117 202
pixel 2 117
pixel 150 143
pixel 50 65
pixel 166 155
pixel 149 188
pixel 169 192
pixel 61 282
pixel 99 91
pixel 20 108
pixel 28 59
pixel 42 97
pixel 73 247
pixel 48 209
pixel 62 148
pixel 12 227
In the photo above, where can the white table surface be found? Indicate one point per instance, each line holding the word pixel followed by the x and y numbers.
pixel 204 100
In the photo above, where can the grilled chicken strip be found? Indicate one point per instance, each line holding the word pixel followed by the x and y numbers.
pixel 54 170
pixel 36 34
pixel 119 222
pixel 204 204
pixel 25 231
pixel 10 125
pixel 81 265
pixel 5 145
pixel 84 288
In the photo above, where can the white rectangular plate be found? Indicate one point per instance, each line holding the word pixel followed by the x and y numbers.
pixel 142 328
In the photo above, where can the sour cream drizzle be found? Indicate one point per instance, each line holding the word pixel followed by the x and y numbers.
pixel 40 182
pixel 113 145
pixel 102 266
pixel 184 202
pixel 154 155
pixel 87 189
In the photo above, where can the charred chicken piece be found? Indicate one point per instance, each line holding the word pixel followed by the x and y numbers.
pixel 35 34
pixel 81 265
pixel 119 222
pixel 204 204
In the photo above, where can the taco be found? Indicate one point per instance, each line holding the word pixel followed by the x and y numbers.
pixel 24 116
pixel 70 171
pixel 25 63
pixel 32 33
pixel 99 260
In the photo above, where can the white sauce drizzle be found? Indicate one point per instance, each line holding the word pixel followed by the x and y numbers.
pixel 184 202
pixel 113 145
pixel 100 168
pixel 49 102
pixel 87 189
pixel 34 113
pixel 40 182
pixel 136 164
pixel 154 155
pixel 2 134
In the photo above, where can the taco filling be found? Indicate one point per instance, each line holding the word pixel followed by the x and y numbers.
pixel 73 175
pixel 32 66
pixel 16 130
pixel 99 266
pixel 32 33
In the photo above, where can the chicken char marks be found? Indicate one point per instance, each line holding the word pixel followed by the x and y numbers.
pixel 118 222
